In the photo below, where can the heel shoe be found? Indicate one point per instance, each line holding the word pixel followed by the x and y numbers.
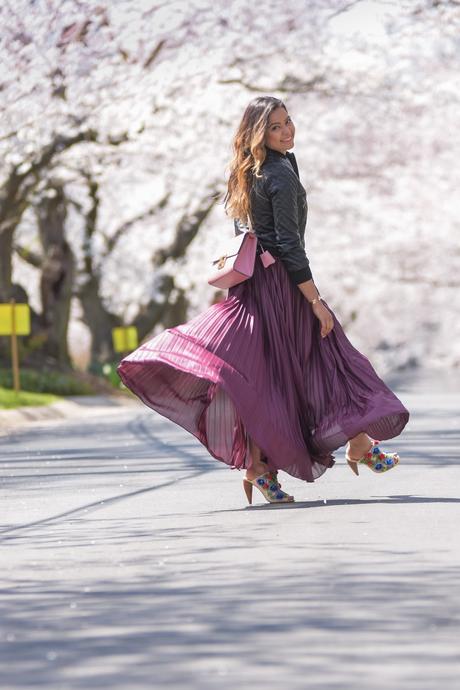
pixel 269 485
pixel 376 459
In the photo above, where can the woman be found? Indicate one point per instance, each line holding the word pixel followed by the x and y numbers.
pixel 267 379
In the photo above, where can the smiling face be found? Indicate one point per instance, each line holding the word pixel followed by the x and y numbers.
pixel 280 131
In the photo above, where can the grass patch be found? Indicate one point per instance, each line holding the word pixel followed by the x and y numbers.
pixel 9 399
pixel 48 381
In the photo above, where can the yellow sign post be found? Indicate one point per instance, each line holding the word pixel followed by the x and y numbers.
pixel 14 321
pixel 124 339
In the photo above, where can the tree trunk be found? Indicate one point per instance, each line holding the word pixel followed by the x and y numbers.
pixel 99 321
pixel 169 307
pixel 6 250
pixel 56 282
pixel 15 195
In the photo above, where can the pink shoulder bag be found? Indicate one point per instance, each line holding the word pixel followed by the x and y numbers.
pixel 236 264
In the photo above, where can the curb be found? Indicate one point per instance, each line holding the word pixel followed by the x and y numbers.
pixel 76 407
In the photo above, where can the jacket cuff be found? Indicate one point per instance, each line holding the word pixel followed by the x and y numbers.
pixel 301 275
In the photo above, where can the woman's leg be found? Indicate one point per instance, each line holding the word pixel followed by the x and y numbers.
pixel 271 489
pixel 359 446
pixel 256 465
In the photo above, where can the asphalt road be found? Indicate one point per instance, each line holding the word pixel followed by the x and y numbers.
pixel 130 560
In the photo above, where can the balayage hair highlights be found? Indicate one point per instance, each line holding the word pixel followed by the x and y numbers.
pixel 248 155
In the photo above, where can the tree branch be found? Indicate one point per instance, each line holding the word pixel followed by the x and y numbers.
pixel 186 230
pixel 111 241
pixel 32 258
pixel 286 85
pixel 345 8
pixel 154 54
pixel 14 194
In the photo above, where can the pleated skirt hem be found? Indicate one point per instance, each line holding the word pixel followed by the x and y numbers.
pixel 255 365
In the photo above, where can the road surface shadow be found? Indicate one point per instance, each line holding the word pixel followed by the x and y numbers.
pixel 333 627
pixel 323 503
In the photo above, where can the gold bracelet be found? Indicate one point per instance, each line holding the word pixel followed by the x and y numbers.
pixel 317 299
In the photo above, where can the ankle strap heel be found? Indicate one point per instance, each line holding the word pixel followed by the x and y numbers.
pixel 376 459
pixel 269 486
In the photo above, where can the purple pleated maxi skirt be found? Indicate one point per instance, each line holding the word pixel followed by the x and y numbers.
pixel 255 364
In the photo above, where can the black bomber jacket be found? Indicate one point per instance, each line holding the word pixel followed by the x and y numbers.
pixel 279 213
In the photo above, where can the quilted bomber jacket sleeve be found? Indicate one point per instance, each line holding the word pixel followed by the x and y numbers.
pixel 285 193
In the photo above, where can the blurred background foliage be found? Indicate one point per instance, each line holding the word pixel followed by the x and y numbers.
pixel 115 137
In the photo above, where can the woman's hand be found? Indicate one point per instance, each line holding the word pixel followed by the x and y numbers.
pixel 324 315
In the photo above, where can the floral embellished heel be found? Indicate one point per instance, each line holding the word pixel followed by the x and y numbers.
pixel 270 487
pixel 376 459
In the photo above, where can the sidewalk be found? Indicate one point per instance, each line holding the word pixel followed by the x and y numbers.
pixel 72 407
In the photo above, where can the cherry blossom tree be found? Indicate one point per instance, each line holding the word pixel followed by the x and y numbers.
pixel 150 94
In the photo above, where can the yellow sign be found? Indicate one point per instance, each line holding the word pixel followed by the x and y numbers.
pixel 21 315
pixel 124 339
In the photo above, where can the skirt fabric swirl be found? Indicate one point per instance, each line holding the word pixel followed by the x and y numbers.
pixel 255 364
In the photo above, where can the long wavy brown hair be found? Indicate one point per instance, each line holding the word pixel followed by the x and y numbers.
pixel 248 155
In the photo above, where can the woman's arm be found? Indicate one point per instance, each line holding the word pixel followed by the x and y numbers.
pixel 309 291
pixel 283 194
